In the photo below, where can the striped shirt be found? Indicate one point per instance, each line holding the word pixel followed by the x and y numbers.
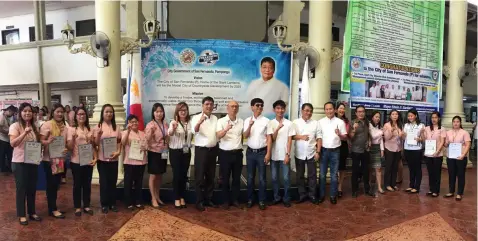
pixel 178 139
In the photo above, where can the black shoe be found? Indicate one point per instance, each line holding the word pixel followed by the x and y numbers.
pixel 339 194
pixel 354 194
pixel 200 207
pixel 314 201
pixel 130 207
pixel 89 211
pixel 370 193
pixel 35 217
pixel 24 223
pixel 236 204
pixel 184 206
pixel 178 207
pixel 287 204
pixel 210 204
pixel 275 202
pixel 104 210
pixel 250 204
pixel 139 206
pixel 78 213
pixel 114 209
pixel 333 200
pixel 61 216
pixel 429 193
pixel 301 200
pixel 262 206
pixel 321 200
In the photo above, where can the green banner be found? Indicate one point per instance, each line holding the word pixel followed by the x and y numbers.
pixel 408 33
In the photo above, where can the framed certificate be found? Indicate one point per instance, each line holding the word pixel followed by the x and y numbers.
pixel 135 152
pixel 85 153
pixel 454 150
pixel 430 147
pixel 57 147
pixel 411 135
pixel 109 146
pixel 32 152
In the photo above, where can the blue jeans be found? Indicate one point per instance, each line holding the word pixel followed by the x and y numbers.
pixel 256 159
pixel 275 168
pixel 329 157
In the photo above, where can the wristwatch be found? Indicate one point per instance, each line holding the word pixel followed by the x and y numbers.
pixel 287 154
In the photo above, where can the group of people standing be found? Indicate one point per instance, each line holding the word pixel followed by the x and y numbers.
pixel 269 142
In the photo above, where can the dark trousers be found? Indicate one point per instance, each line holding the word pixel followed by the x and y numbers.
pixel 360 167
pixel 204 172
pixel 133 177
pixel 67 163
pixel 108 176
pixel 434 173
pixel 52 184
pixel 414 160
pixel 391 168
pixel 311 176
pixel 26 186
pixel 456 168
pixel 81 184
pixel 230 163
pixel 256 159
pixel 6 151
pixel 180 163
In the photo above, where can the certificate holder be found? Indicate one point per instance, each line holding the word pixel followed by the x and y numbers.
pixel 135 152
pixel 454 150
pixel 430 147
pixel 109 146
pixel 32 152
pixel 56 147
pixel 85 153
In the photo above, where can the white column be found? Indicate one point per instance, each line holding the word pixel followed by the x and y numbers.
pixel 320 37
pixel 457 27
pixel 40 34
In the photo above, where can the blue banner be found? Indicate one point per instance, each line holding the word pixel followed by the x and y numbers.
pixel 188 70
pixel 380 85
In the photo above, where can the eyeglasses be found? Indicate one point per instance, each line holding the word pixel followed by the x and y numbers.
pixel 259 105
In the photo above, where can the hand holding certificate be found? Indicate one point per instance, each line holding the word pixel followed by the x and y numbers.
pixel 135 151
pixel 85 152
pixel 57 147
pixel 109 147
pixel 454 150
pixel 411 135
pixel 430 147
pixel 32 152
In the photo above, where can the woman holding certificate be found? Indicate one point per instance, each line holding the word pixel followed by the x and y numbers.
pixel 53 138
pixel 180 132
pixel 392 133
pixel 458 142
pixel 434 137
pixel 107 137
pixel 157 137
pixel 412 135
pixel 25 160
pixel 135 146
pixel 83 159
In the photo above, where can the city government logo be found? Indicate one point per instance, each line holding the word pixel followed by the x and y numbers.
pixel 208 57
pixel 187 56
pixel 356 63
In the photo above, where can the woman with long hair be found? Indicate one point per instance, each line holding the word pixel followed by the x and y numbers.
pixel 22 132
pixel 392 132
pixel 344 147
pixel 180 133
pixel 437 134
pixel 412 136
pixel 133 166
pixel 376 149
pixel 107 130
pixel 53 166
pixel 457 165
pixel 80 135
pixel 157 138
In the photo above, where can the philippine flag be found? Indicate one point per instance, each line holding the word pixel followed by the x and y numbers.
pixel 134 92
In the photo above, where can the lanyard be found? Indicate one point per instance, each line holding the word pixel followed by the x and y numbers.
pixel 162 130
pixel 185 131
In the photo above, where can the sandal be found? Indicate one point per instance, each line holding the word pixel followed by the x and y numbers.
pixel 448 195
pixel 434 194
pixel 408 189
pixel 414 191
pixel 458 198
pixel 381 191
pixel 390 189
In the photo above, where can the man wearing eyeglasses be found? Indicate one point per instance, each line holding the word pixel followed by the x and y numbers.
pixel 257 154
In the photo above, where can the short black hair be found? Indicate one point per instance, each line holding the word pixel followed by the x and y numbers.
pixel 268 60
pixel 414 112
pixel 280 103
pixel 359 106
pixel 331 103
pixel 131 117
pixel 307 105
pixel 207 98
pixel 256 101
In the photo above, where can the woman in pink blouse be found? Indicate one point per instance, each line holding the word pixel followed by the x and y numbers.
pixel 133 168
pixel 79 135
pixel 25 174
pixel 156 133
pixel 108 162
pixel 392 132
pixel 436 133
pixel 344 147
pixel 376 149
pixel 53 166
pixel 457 165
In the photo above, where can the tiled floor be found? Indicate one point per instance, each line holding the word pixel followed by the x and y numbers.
pixel 350 218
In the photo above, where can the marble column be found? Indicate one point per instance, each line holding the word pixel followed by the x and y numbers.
pixel 40 35
pixel 320 37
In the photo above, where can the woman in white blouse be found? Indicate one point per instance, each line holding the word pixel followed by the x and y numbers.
pixel 180 133
pixel 412 132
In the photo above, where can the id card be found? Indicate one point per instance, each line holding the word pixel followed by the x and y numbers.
pixel 164 154
pixel 185 149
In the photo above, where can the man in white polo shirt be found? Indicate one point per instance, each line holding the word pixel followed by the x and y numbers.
pixel 205 153
pixel 331 130
pixel 306 135
pixel 257 155
pixel 280 132
pixel 229 134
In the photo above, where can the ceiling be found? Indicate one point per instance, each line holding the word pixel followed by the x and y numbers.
pixel 15 8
